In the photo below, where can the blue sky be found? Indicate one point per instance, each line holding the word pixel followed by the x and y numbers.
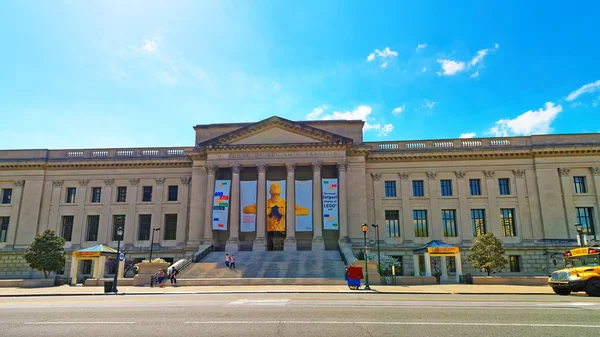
pixel 89 74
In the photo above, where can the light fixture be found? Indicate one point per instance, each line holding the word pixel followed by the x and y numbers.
pixel 365 227
pixel 579 227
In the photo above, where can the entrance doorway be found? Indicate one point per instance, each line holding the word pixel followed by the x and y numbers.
pixel 275 240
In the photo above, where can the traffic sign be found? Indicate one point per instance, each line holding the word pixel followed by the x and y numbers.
pixel 121 256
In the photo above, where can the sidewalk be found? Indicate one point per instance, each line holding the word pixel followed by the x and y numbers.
pixel 428 289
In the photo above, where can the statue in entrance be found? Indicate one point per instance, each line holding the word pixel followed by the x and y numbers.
pixel 276 210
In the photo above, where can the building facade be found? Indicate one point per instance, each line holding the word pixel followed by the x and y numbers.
pixel 528 191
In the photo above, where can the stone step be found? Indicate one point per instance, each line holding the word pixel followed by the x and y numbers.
pixel 255 281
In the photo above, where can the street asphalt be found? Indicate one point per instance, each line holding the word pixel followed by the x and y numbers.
pixel 294 315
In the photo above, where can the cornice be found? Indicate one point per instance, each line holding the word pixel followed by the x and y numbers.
pixel 287 146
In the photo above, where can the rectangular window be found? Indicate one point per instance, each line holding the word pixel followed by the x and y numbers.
pixel 586 218
pixel 515 263
pixel 507 218
pixel 4 228
pixel 475 186
pixel 86 267
pixel 147 193
pixel 478 220
pixel 418 188
pixel 173 193
pixel 6 196
pixel 580 185
pixel 170 226
pixel 66 229
pixel 121 194
pixel 118 221
pixel 145 221
pixel 92 228
pixel 421 264
pixel 96 194
pixel 392 224
pixel 390 189
pixel 420 223
pixel 451 264
pixel 504 186
pixel 446 186
pixel 449 222
pixel 71 195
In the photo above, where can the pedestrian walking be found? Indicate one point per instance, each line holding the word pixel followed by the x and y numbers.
pixel 161 278
pixel 227 259
pixel 173 276
pixel 232 263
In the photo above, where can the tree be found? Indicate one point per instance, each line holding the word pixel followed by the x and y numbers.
pixel 46 253
pixel 487 254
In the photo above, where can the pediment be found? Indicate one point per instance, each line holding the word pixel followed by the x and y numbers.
pixel 275 130
pixel 275 135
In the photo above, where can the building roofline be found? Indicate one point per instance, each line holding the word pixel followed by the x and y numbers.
pixel 243 124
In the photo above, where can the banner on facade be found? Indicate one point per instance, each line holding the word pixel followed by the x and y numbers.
pixel 248 205
pixel 303 195
pixel 275 206
pixel 329 188
pixel 220 214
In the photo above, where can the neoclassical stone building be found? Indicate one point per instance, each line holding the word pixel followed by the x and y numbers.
pixel 528 191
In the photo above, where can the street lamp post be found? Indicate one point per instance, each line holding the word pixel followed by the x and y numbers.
pixel 378 251
pixel 365 227
pixel 119 235
pixel 152 242
pixel 579 228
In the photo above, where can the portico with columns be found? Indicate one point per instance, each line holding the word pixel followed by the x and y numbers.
pixel 273 149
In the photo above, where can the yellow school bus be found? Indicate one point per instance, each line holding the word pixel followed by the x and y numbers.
pixel 581 272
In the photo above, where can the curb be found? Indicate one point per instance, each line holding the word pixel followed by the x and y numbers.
pixel 217 292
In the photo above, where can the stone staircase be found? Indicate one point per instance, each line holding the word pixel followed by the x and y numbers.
pixel 278 267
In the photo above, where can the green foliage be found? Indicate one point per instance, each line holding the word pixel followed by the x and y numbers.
pixel 386 261
pixel 157 260
pixel 487 254
pixel 46 253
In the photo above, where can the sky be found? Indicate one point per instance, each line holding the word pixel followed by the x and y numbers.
pixel 93 74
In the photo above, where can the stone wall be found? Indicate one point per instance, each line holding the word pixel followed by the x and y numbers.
pixel 14 266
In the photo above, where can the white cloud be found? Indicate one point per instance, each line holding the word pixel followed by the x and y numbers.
pixel 475 74
pixel 428 104
pixel 421 46
pixel 149 46
pixel 398 110
pixel 590 87
pixel 166 78
pixel 468 135
pixel 362 112
pixel 528 123
pixel 479 57
pixel 451 67
pixel 383 55
pixel 316 113
pixel 496 46
pixel 424 69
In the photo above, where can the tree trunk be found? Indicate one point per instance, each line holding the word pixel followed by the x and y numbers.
pixel 45 274
pixel 489 271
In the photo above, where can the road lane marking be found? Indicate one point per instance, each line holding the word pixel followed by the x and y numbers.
pixel 551 325
pixel 54 323
pixel 260 302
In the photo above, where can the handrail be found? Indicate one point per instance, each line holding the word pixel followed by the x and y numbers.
pixel 342 255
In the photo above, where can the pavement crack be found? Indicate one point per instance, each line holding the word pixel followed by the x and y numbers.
pixel 364 328
pixel 278 332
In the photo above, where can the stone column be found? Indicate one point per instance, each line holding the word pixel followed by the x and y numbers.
pixel 492 218
pixel 54 222
pixel 157 214
pixel 96 269
pixel 343 201
pixel 131 221
pixel 105 223
pixel 407 226
pixel 74 265
pixel 184 209
pixel 427 264
pixel 464 220
pixel 567 191
pixel 596 178
pixel 444 268
pixel 79 221
pixel 210 198
pixel 232 244
pixel 434 230
pixel 197 204
pixel 290 212
pixel 13 225
pixel 416 265
pixel 524 226
pixel 458 263
pixel 260 243
pixel 317 243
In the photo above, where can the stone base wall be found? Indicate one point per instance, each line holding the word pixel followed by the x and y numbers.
pixel 14 266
